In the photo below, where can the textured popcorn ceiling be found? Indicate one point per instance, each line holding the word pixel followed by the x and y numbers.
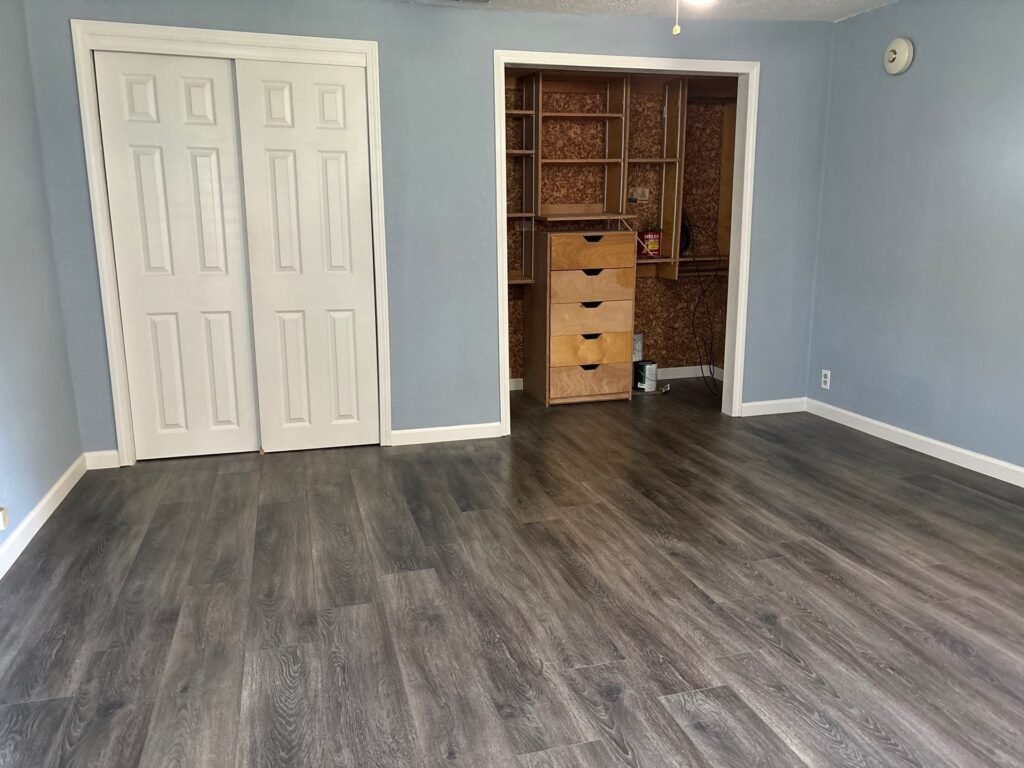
pixel 763 10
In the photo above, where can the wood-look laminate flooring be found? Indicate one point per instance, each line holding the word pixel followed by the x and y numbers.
pixel 624 584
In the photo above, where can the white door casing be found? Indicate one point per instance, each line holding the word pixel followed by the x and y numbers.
pixel 171 157
pixel 306 161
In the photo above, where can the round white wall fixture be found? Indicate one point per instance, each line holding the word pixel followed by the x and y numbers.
pixel 899 56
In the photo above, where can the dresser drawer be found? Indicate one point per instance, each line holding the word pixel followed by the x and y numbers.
pixel 596 250
pixel 577 381
pixel 592 285
pixel 592 348
pixel 591 317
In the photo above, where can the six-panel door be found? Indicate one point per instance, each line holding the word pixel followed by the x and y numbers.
pixel 169 138
pixel 305 148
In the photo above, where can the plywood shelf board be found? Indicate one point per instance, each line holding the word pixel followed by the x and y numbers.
pixel 582 160
pixel 518 278
pixel 582 115
pixel 584 216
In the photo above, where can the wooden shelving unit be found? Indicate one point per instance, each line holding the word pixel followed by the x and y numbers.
pixel 604 99
pixel 522 131
pixel 671 157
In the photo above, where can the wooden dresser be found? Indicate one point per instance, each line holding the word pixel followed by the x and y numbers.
pixel 579 317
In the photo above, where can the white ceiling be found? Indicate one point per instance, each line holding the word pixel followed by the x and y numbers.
pixel 761 10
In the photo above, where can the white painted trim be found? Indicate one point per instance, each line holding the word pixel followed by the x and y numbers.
pixel 748 73
pixel 773 407
pixel 445 434
pixel 101 459
pixel 20 537
pixel 687 372
pixel 515 385
pixel 961 457
pixel 91 36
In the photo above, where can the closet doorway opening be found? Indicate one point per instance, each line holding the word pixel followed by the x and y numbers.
pixel 624 196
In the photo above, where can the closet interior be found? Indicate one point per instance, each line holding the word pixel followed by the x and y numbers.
pixel 619 201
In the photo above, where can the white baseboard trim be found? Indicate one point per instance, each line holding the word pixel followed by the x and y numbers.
pixel 961 457
pixel 515 385
pixel 20 537
pixel 688 372
pixel 977 462
pixel 774 407
pixel 102 460
pixel 445 434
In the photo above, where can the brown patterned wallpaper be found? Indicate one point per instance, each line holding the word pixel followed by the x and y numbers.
pixel 556 101
pixel 646 124
pixel 565 138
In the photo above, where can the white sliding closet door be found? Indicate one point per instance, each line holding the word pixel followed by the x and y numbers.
pixel 169 139
pixel 305 156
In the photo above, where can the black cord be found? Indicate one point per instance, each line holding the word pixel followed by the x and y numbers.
pixel 708 345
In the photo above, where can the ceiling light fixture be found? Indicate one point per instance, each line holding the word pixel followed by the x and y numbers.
pixel 694 4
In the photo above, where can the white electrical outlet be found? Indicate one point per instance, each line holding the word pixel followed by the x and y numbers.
pixel 826 379
pixel 3 518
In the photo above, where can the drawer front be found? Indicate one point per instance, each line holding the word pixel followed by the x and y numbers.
pixel 598 250
pixel 592 285
pixel 592 348
pixel 576 381
pixel 592 317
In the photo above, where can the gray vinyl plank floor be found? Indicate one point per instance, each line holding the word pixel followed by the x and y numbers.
pixel 642 585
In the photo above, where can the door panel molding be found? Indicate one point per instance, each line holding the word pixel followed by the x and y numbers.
pixel 91 36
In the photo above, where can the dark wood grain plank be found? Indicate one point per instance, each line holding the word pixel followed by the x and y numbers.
pixel 392 534
pixel 593 754
pixel 342 567
pixel 147 607
pixel 727 732
pixel 455 722
pixel 281 706
pixel 227 533
pixel 637 730
pixel 282 601
pixel 282 477
pixel 29 732
pixel 195 719
pixel 108 720
pixel 365 718
pixel 51 661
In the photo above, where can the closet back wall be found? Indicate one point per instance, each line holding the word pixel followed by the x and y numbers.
pixel 438 132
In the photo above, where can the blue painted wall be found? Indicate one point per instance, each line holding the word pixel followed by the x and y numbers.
pixel 38 429
pixel 919 299
pixel 436 81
